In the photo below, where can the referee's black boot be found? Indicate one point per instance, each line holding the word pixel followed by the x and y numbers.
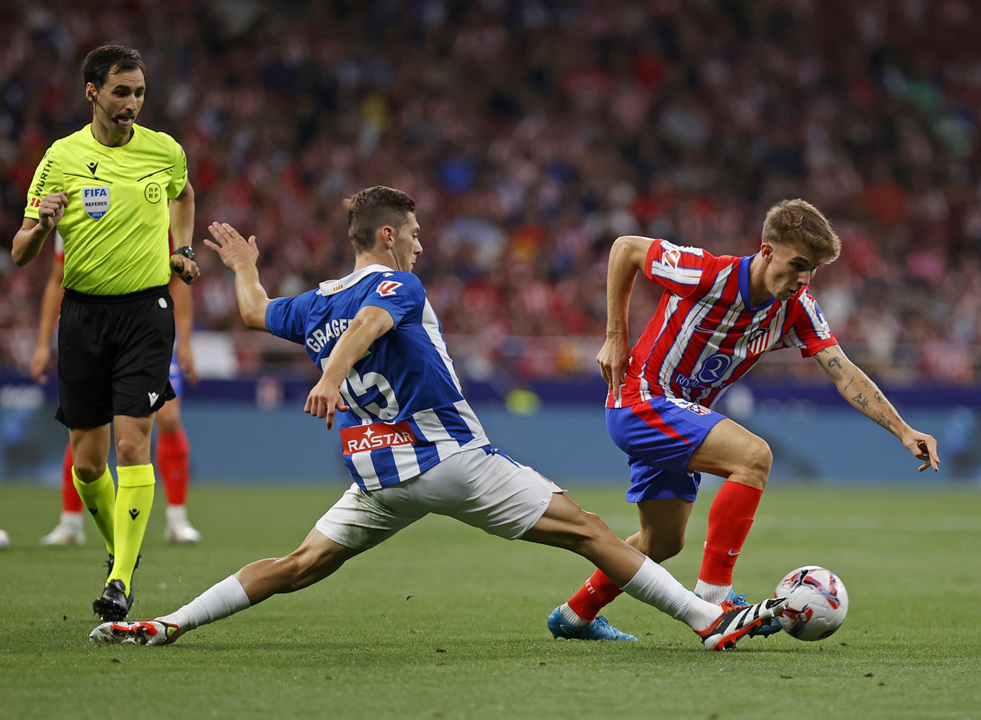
pixel 113 604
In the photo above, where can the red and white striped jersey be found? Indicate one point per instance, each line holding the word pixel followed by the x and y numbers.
pixel 704 335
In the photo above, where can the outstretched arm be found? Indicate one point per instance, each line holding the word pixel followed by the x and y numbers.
pixel 626 258
pixel 239 255
pixel 369 324
pixel 859 390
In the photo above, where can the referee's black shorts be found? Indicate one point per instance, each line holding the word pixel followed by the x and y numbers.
pixel 114 356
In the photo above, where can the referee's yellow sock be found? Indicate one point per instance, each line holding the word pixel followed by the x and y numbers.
pixel 133 503
pixel 99 497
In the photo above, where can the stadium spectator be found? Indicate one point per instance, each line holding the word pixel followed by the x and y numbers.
pixel 113 188
pixel 666 119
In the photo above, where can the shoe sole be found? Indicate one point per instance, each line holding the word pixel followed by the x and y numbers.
pixel 176 539
pixel 111 633
pixel 729 641
pixel 109 611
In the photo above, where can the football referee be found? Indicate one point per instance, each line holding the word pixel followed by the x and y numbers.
pixel 113 189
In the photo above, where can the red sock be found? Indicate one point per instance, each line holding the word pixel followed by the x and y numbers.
pixel 592 597
pixel 729 521
pixel 173 462
pixel 70 501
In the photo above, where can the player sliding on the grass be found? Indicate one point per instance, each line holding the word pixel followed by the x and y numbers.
pixel 717 318
pixel 409 439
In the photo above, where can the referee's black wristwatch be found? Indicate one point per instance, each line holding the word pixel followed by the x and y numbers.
pixel 187 251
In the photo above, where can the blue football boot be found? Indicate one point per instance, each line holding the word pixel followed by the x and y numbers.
pixel 598 629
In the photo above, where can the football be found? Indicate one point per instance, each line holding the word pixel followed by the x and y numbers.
pixel 817 602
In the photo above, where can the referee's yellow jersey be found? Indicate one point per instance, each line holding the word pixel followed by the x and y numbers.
pixel 115 225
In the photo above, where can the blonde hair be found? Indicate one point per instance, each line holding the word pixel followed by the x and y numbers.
pixel 797 222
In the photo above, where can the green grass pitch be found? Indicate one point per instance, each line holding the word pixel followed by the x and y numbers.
pixel 446 622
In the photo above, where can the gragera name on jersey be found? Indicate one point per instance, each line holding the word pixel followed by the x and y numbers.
pixel 331 331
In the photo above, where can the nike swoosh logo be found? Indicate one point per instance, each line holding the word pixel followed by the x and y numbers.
pixel 733 554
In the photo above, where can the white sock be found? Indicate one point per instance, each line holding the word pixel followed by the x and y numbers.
pixel 712 592
pixel 217 602
pixel 72 519
pixel 656 586
pixel 569 614
pixel 176 515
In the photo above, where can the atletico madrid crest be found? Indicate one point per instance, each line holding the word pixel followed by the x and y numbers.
pixel 760 342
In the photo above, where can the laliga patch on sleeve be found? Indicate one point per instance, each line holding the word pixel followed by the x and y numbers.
pixel 387 288
pixel 95 201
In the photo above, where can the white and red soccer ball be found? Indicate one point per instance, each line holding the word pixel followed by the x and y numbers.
pixel 817 602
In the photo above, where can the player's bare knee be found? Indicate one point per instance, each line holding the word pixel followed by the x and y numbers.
pixel 86 471
pixel 132 451
pixel 592 530
pixel 756 462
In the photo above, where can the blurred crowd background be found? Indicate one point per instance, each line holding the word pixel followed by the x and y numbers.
pixel 532 133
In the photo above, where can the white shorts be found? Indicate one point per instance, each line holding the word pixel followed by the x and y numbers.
pixel 486 490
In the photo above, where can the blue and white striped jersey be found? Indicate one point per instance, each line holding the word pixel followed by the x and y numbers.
pixel 407 409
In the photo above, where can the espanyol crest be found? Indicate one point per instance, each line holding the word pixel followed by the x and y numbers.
pixel 95 201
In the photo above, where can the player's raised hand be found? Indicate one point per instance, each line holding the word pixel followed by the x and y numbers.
pixel 613 359
pixel 235 251
pixel 52 209
pixel 325 400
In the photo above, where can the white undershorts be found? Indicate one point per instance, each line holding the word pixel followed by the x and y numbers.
pixel 486 490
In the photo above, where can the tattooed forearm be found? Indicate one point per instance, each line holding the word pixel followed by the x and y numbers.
pixel 881 419
pixel 861 401
pixel 833 362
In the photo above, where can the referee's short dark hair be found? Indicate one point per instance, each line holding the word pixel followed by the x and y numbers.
pixel 107 59
pixel 374 208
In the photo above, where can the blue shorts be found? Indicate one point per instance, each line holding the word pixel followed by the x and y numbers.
pixel 659 437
